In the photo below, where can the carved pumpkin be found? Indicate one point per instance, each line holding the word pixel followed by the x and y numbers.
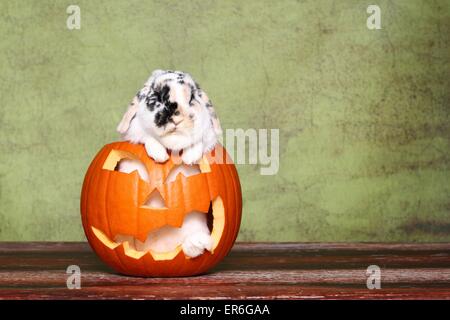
pixel 114 204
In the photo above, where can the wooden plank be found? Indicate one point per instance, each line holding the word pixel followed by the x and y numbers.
pixel 251 271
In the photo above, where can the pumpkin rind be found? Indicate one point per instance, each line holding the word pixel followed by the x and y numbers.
pixel 112 204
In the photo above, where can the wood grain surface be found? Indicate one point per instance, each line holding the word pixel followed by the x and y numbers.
pixel 37 270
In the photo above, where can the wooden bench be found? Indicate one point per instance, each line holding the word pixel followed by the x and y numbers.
pixel 37 270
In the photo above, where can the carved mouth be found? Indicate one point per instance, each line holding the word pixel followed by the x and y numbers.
pixel 136 249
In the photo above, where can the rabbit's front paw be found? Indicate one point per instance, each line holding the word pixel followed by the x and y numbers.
pixel 157 152
pixel 192 155
pixel 195 244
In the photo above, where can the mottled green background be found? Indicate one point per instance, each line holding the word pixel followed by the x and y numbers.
pixel 364 115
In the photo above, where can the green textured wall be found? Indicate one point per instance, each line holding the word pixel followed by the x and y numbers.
pixel 364 115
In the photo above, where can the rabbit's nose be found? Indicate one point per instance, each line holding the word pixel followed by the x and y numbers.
pixel 177 119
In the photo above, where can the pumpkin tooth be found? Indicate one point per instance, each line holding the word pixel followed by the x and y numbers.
pixel 131 252
pixel 165 255
pixel 182 170
pixel 176 220
pixel 104 238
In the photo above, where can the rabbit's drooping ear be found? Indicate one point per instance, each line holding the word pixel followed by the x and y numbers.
pixel 124 124
pixel 128 116
pixel 214 119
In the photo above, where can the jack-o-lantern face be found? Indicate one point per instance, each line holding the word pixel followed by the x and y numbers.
pixel 120 210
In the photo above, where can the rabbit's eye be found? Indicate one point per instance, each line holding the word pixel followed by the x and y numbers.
pixel 157 96
pixel 177 113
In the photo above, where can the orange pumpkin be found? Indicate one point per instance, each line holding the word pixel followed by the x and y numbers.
pixel 114 203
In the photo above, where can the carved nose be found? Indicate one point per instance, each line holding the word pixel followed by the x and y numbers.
pixel 155 200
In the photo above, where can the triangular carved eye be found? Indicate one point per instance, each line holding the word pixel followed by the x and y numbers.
pixel 130 165
pixel 126 162
pixel 183 169
pixel 155 201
